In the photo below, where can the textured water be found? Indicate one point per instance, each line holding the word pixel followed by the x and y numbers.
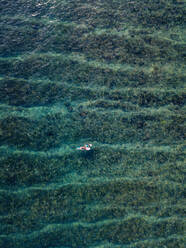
pixel 106 72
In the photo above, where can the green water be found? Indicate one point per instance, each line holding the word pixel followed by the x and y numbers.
pixel 110 73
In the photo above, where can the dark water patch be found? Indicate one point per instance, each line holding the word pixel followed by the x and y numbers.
pixel 31 8
pixel 160 14
pixel 45 134
pixel 137 155
pixel 20 92
pixel 55 67
pixel 23 35
pixel 71 203
pixel 119 233
pixel 30 168
pixel 68 204
pixel 142 126
pixel 33 65
pixel 24 170
pixel 170 241
pixel 103 14
pixel 163 210
pixel 19 222
pixel 146 98
pixel 132 49
pixel 26 93
pixel 123 129
pixel 39 35
pixel 21 168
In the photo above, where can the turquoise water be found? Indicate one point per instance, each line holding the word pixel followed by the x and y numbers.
pixel 110 73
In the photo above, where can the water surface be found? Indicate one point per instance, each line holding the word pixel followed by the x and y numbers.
pixel 110 73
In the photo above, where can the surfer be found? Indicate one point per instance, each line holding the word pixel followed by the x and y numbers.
pixel 86 147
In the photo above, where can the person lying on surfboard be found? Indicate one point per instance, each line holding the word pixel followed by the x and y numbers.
pixel 86 147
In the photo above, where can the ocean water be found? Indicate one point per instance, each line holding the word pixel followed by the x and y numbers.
pixel 110 73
